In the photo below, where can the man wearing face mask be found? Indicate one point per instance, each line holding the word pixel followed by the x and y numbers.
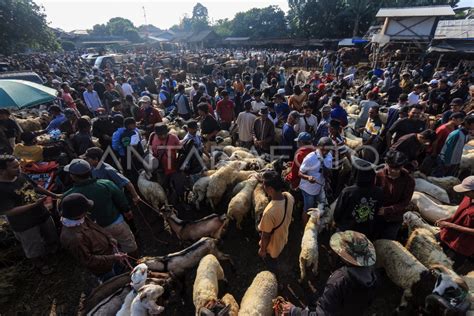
pixel 147 115
pixel 398 187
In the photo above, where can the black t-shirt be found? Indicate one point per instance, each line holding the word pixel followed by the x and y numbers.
pixel 409 145
pixel 406 126
pixel 19 193
pixel 209 125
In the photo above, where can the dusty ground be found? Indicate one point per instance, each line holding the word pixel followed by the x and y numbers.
pixel 60 293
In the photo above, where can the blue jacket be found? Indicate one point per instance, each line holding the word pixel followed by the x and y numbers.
pixel 338 113
pixel 116 143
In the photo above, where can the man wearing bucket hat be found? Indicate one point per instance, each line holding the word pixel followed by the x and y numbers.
pixel 457 231
pixel 89 243
pixel 351 288
pixel 147 115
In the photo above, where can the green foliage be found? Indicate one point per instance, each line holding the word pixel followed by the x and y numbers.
pixel 23 26
pixel 342 18
pixel 118 26
pixel 132 35
pixel 256 23
pixel 100 29
pixel 68 45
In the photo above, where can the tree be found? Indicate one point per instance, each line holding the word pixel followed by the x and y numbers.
pixel 68 45
pixel 100 29
pixel 23 26
pixel 132 35
pixel 200 19
pixel 118 26
pixel 260 23
pixel 150 28
pixel 223 27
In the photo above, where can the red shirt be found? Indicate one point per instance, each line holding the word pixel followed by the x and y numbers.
pixel 442 134
pixel 169 159
pixel 225 109
pixel 460 242
pixel 293 177
pixel 149 116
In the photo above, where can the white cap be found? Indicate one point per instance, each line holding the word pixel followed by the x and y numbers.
pixel 433 81
pixel 145 98
pixel 281 91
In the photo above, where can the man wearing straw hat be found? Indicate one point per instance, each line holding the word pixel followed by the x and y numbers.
pixel 351 288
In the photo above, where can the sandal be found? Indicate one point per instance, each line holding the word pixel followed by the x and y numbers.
pixel 46 270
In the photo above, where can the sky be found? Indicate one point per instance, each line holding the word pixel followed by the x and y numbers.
pixel 72 15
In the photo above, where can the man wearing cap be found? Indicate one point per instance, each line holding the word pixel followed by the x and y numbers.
pixel 24 207
pixel 102 170
pixel 350 289
pixel 263 132
pixel 147 115
pixel 439 98
pixel 110 204
pixel 313 177
pixel 86 241
pixel 244 124
pixel 304 142
pixel 398 187
pixel 91 98
pixel 457 231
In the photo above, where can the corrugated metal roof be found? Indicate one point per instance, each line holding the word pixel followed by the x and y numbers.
pixel 345 42
pixel 457 29
pixel 438 10
pixel 236 39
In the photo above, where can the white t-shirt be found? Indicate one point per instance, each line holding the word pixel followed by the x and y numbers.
pixel 301 125
pixel 244 123
pixel 311 166
pixel 413 98
pixel 256 106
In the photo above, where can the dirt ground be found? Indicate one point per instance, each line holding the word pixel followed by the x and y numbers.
pixel 61 293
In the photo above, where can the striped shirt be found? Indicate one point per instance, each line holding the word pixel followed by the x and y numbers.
pixel 342 150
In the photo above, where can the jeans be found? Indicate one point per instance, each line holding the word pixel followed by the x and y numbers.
pixel 310 201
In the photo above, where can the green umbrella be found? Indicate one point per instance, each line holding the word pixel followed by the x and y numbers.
pixel 21 94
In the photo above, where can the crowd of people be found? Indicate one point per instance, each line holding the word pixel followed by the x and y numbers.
pixel 409 120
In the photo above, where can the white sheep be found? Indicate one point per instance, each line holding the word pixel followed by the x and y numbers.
pixel 467 163
pixel 260 201
pixel 240 204
pixel 229 150
pixel 446 183
pixel 429 209
pixel 228 299
pixel 423 245
pixel 422 185
pixel 145 302
pixel 309 254
pixel 200 190
pixel 138 278
pixel 414 220
pixel 257 300
pixel 352 141
pixel 152 191
pixel 206 287
pixel 400 265
pixel 240 155
pixel 219 182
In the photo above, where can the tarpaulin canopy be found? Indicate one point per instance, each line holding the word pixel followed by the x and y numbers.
pixel 21 94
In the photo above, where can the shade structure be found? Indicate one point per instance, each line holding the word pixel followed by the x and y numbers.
pixel 20 94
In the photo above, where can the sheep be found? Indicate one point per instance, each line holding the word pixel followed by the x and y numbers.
pixel 309 245
pixel 353 109
pixel 432 190
pixel 152 191
pixel 351 140
pixel 423 245
pixel 206 287
pixel 240 204
pixel 33 124
pixel 200 189
pixel 467 163
pixel 414 220
pixel 223 133
pixel 145 302
pixel 138 278
pixel 469 279
pixel 240 154
pixel 254 163
pixel 210 226
pixel 326 216
pixel 229 150
pixel 257 300
pixel 446 183
pixel 429 209
pixel 178 262
pixel 238 187
pixel 229 300
pixel 260 201
pixel 403 269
